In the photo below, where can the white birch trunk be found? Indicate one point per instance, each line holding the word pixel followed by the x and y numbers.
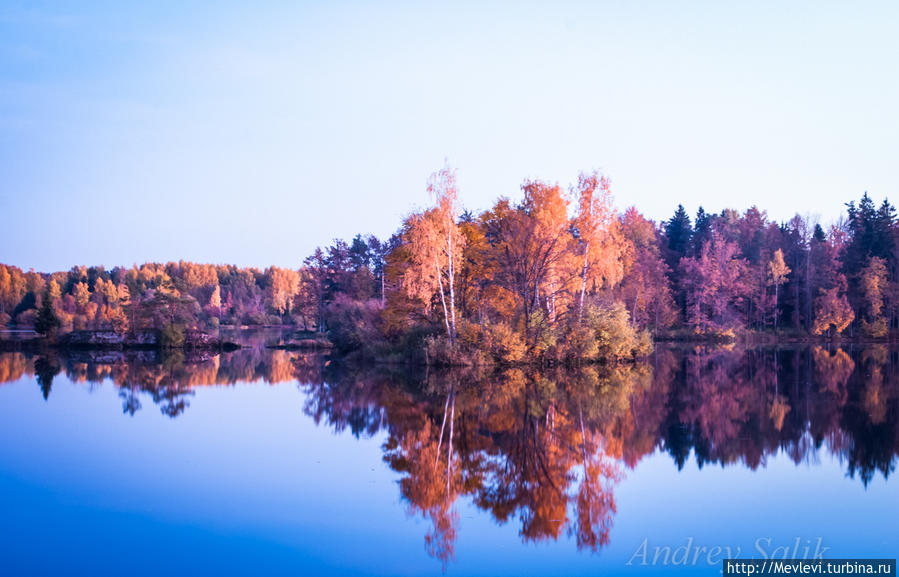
pixel 442 298
pixel 580 308
pixel 449 448
pixel 452 276
pixel 442 427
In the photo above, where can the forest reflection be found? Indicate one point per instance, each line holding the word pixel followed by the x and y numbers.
pixel 546 450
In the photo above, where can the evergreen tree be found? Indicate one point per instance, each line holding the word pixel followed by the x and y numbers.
pixel 702 231
pixel 46 321
pixel 864 227
pixel 818 235
pixel 679 231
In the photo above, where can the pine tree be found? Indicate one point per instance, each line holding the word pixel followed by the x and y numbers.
pixel 679 232
pixel 46 322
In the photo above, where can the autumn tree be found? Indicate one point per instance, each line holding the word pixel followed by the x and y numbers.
pixel 12 287
pixel 713 283
pixel 435 249
pixel 777 275
pixel 82 295
pixel 215 299
pixel 832 311
pixel 873 284
pixel 313 290
pixel 645 288
pixel 597 237
pixel 475 272
pixel 165 307
pixel 284 286
pixel 378 252
pixel 531 246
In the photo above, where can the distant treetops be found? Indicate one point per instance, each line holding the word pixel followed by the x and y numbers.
pixel 557 275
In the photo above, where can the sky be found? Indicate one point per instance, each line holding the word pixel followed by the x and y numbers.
pixel 250 133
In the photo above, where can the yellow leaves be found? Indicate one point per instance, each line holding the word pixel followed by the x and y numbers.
pixel 873 283
pixel 285 285
pixel 442 188
pixel 547 208
pixel 777 269
pixel 215 299
pixel 601 241
pixel 124 294
pixel 522 263
pixel 152 275
pixel 90 311
pixel 82 294
pixel 117 320
pixel 503 344
pixel 435 247
pixel 198 275
pixel 55 291
pixel 34 282
pixel 423 273
pixel 639 231
pixel 832 310
pixel 107 291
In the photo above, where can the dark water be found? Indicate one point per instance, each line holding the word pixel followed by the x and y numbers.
pixel 265 462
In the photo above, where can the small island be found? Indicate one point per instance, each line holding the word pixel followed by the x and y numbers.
pixel 558 276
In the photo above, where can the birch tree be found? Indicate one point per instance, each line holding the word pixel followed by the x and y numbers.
pixel 777 275
pixel 435 244
pixel 596 225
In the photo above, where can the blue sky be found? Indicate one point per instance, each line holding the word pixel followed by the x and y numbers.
pixel 231 132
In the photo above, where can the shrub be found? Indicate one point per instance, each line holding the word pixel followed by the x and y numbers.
pixel 876 329
pixel 411 345
pixel 171 337
pixel 352 324
pixel 26 318
pixel 580 344
pixel 607 333
pixel 506 345
pixel 498 340
pixel 255 318
pixel 439 351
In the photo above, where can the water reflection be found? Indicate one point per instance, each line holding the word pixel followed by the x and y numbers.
pixel 168 379
pixel 546 450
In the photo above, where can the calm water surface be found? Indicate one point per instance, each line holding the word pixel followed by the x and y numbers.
pixel 270 462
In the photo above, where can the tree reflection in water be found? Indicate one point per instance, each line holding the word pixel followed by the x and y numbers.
pixel 546 449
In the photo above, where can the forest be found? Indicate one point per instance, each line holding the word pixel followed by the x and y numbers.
pixel 558 275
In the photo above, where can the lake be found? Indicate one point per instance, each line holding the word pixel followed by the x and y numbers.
pixel 269 462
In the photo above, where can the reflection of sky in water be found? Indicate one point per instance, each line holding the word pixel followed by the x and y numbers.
pixel 244 483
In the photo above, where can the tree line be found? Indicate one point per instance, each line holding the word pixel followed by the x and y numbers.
pixel 557 274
